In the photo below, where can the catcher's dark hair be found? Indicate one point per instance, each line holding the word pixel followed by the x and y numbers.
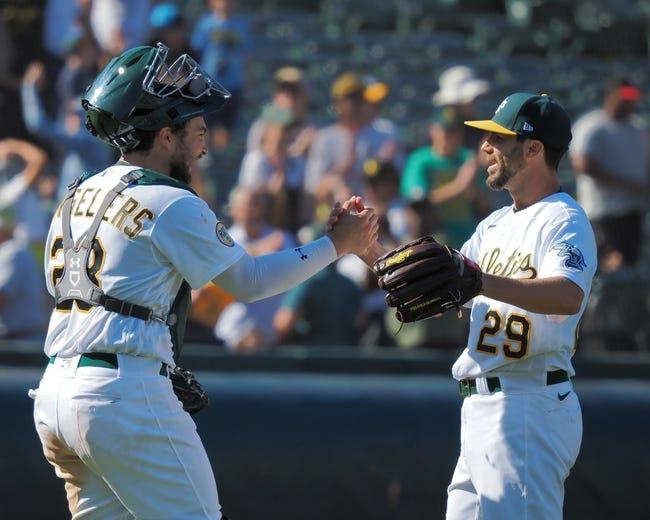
pixel 146 137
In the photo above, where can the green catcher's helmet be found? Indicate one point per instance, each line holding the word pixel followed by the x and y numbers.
pixel 139 89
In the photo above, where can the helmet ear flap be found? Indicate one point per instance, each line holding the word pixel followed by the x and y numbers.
pixel 89 126
pixel 110 130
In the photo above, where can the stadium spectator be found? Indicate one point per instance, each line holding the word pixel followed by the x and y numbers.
pixel 375 95
pixel 444 173
pixel 460 89
pixel 610 153
pixel 249 326
pixel 208 303
pixel 250 227
pixel 381 183
pixel 81 151
pixel 289 93
pixel 120 24
pixel 324 311
pixel 22 291
pixel 245 327
pixel 21 41
pixel 335 164
pixel 168 26
pixel 21 165
pixel 64 22
pixel 273 169
pixel 79 69
pixel 222 38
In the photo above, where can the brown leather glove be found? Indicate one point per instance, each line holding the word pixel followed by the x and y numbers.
pixel 425 278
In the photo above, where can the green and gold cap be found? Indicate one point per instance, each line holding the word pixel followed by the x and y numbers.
pixel 530 115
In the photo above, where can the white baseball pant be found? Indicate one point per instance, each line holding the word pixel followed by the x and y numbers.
pixel 517 447
pixel 122 443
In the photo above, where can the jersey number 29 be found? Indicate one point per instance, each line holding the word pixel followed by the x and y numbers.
pixel 517 329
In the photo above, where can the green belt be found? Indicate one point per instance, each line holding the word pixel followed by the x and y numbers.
pixel 468 386
pixel 104 360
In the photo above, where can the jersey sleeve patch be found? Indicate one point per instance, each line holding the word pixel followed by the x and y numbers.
pixel 223 235
pixel 573 257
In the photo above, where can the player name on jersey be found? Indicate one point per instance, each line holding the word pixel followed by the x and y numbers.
pixel 125 213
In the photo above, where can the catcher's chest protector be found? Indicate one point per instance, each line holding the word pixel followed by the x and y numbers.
pixel 76 284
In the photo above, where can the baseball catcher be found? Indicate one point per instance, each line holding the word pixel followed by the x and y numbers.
pixel 425 278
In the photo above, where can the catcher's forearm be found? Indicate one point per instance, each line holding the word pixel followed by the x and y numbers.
pixel 254 278
pixel 555 295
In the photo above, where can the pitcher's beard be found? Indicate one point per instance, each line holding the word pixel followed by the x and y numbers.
pixel 499 181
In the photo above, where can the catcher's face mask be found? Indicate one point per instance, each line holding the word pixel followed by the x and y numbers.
pixel 183 76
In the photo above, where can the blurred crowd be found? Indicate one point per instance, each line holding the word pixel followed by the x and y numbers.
pixel 293 168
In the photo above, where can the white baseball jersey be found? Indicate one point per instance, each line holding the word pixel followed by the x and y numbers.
pixel 151 239
pixel 553 237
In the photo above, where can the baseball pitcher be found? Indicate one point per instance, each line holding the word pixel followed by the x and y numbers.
pixel 526 275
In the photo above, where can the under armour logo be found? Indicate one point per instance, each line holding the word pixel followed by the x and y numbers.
pixel 303 256
pixel 75 262
pixel 503 104
pixel 528 127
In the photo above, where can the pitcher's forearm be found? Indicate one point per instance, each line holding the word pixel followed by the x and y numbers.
pixel 375 251
pixel 556 295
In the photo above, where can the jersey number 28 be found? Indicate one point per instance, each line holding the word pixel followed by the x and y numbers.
pixel 517 329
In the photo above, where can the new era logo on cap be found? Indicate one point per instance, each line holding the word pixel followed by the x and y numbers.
pixel 530 115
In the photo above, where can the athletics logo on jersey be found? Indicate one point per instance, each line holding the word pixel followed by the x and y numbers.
pixel 223 236
pixel 573 255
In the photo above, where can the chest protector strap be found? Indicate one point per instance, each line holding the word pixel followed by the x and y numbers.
pixel 75 284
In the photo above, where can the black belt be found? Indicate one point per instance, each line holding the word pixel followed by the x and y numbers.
pixel 468 386
pixel 134 310
pixel 105 360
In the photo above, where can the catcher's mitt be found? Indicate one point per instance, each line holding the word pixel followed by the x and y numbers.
pixel 188 390
pixel 425 278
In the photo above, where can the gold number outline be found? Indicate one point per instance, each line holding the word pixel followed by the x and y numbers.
pixel 523 338
pixel 486 348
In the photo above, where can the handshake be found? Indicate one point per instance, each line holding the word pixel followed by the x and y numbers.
pixel 353 228
pixel 423 278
